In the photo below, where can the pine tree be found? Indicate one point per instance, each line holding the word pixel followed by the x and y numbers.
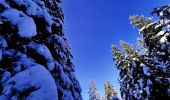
pixel 144 74
pixel 109 91
pixel 93 95
pixel 126 63
pixel 35 58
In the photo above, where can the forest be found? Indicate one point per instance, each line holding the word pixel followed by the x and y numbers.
pixel 36 55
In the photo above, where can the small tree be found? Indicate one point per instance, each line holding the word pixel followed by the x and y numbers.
pixel 93 95
pixel 109 91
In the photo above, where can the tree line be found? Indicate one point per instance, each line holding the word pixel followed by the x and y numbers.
pixel 109 92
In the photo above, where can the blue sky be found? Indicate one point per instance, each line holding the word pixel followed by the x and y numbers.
pixel 92 26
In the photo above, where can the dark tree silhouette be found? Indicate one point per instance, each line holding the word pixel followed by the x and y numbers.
pixel 35 58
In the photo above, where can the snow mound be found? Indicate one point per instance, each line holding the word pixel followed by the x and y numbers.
pixel 3 42
pixel 35 81
pixel 25 24
pixel 41 49
pixel 36 8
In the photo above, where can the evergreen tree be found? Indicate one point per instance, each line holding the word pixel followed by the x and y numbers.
pixel 144 74
pixel 109 91
pixel 93 95
pixel 35 59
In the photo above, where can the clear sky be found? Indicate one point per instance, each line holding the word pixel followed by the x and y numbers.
pixel 92 26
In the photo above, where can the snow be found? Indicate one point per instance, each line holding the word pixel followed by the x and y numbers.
pixel 141 91
pixel 145 69
pixel 147 90
pixel 33 9
pixel 64 77
pixel 144 85
pixel 167 34
pixel 47 18
pixel 163 39
pixel 141 83
pixel 134 58
pixel 161 53
pixel 168 27
pixel 46 84
pixel 3 97
pixel 7 90
pixel 3 43
pixel 6 75
pixel 3 2
pixel 137 94
pixel 130 91
pixel 41 49
pixel 142 29
pixel 25 73
pixel 17 68
pixel 161 13
pixel 67 95
pixel 62 55
pixel 25 24
pixel 26 27
pixel 29 4
pixel 142 65
pixel 45 52
pixel 149 82
pixel 145 27
pixel 30 78
pixel 160 33
pixel 60 40
pixel 50 65
pixel 157 26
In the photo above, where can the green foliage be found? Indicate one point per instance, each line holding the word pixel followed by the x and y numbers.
pixel 127 48
pixel 144 73
pixel 139 21
pixel 118 56
pixel 109 90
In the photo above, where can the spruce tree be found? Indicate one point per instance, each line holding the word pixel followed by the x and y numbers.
pixel 145 74
pixel 35 59
pixel 93 95
pixel 109 91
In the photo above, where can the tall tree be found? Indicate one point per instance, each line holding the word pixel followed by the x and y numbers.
pixel 144 74
pixel 93 95
pixel 35 59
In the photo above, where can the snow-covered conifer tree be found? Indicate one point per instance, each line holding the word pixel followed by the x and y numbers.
pixel 35 59
pixel 93 95
pixel 109 91
pixel 144 74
